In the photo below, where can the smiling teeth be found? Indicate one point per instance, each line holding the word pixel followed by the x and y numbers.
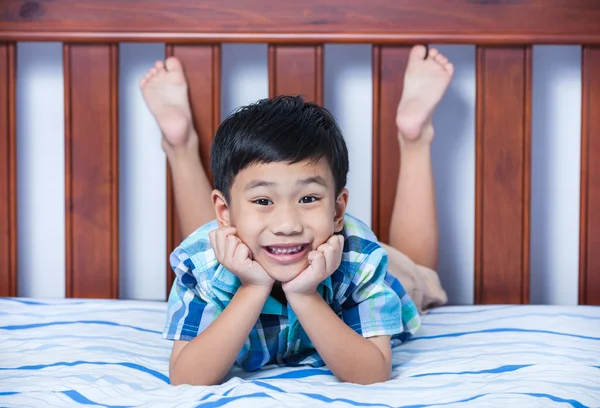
pixel 286 251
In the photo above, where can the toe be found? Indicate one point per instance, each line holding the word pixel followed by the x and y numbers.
pixel 159 65
pixel 449 68
pixel 433 53
pixel 440 58
pixel 418 52
pixel 173 64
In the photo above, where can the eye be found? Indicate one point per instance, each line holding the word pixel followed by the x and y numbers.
pixel 308 199
pixel 262 201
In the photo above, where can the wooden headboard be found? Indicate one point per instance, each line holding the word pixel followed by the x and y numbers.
pixel 502 30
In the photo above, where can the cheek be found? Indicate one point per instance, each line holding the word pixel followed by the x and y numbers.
pixel 322 226
pixel 248 229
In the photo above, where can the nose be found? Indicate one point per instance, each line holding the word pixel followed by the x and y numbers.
pixel 286 221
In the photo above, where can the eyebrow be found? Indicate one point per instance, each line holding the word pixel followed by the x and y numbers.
pixel 262 183
pixel 311 180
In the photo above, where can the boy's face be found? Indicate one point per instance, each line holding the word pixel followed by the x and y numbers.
pixel 282 212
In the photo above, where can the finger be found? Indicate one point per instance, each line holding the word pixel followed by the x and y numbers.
pixel 342 240
pixel 241 256
pixel 330 256
pixel 318 263
pixel 324 246
pixel 337 240
pixel 230 246
pixel 221 241
pixel 212 236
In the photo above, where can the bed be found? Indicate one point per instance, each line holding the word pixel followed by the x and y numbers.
pixel 98 347
pixel 109 353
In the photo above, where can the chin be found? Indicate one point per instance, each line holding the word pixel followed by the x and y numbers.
pixel 285 274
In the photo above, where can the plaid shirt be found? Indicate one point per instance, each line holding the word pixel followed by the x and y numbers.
pixel 361 292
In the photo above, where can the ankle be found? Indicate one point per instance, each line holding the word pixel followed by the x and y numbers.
pixel 421 143
pixel 187 151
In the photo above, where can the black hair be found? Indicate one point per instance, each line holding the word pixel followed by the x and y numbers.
pixel 280 129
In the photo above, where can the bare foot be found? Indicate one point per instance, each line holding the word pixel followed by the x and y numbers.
pixel 166 93
pixel 425 81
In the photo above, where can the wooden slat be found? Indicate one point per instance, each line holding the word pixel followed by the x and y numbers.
pixel 589 267
pixel 92 174
pixel 502 175
pixel 422 21
pixel 296 70
pixel 8 171
pixel 202 66
pixel 389 64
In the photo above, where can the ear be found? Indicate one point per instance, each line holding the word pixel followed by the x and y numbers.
pixel 221 208
pixel 340 210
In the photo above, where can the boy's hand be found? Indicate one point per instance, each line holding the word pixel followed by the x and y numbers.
pixel 234 255
pixel 322 263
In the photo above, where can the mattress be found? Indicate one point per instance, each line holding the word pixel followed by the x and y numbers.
pixel 62 353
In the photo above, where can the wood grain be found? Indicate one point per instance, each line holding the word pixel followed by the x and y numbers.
pixel 296 70
pixel 202 66
pixel 389 64
pixel 8 171
pixel 502 215
pixel 92 174
pixel 525 21
pixel 589 260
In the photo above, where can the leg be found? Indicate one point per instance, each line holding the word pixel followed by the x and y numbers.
pixel 413 229
pixel 165 91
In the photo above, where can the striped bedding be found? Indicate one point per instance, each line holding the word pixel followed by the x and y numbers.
pixel 62 353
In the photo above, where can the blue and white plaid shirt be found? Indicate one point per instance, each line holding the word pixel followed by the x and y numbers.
pixel 361 292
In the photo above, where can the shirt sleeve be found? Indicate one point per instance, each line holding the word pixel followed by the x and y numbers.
pixel 369 304
pixel 189 312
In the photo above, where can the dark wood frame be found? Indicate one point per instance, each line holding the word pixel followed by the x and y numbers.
pixel 503 32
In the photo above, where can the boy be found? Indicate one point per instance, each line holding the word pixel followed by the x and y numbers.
pixel 283 274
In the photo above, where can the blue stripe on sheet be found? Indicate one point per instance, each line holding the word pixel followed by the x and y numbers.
pixel 318 397
pixel 347 401
pixel 511 317
pixel 227 400
pixel 502 330
pixel 302 373
pixel 263 384
pixel 101 322
pixel 571 402
pixel 80 399
pixel 496 370
pixel 493 345
pixel 486 309
pixel 76 363
pixel 166 345
pixel 38 303
pixel 60 313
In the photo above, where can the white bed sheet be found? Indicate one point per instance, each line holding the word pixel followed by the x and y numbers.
pixel 62 353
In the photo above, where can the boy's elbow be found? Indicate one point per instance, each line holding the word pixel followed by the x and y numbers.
pixel 375 379
pixel 369 378
pixel 183 379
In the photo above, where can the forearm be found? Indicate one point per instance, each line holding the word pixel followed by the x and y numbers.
pixel 351 357
pixel 414 221
pixel 209 357
pixel 191 188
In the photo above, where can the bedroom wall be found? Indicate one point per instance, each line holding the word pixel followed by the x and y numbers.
pixel 348 93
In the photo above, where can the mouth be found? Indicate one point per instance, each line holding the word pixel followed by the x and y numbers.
pixel 286 253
